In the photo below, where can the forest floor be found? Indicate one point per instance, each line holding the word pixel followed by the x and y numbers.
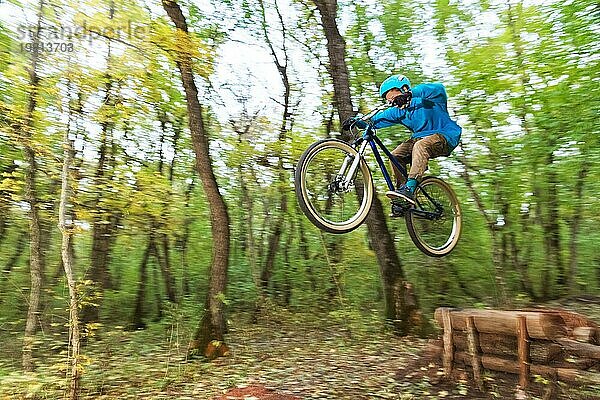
pixel 285 356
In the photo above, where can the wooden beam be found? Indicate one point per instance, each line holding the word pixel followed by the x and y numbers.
pixel 473 340
pixel 540 325
pixel 523 351
pixel 568 375
pixel 448 343
pixel 540 351
pixel 586 350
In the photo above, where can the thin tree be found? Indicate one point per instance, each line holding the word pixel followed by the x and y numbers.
pixel 106 219
pixel 66 230
pixel 164 259
pixel 137 321
pixel 281 63
pixel 209 337
pixel 544 189
pixel 35 254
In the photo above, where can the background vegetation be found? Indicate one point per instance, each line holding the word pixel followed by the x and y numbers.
pixel 101 81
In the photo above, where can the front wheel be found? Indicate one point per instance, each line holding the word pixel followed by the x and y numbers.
pixel 435 223
pixel 331 197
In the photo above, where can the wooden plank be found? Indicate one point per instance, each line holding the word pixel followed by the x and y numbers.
pixel 586 350
pixel 473 340
pixel 540 325
pixel 571 318
pixel 569 375
pixel 523 351
pixel 540 351
pixel 586 334
pixel 448 360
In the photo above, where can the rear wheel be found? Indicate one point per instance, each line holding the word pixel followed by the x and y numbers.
pixel 332 200
pixel 435 224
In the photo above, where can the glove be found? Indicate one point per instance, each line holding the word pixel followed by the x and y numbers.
pixel 402 100
pixel 353 121
pixel 347 124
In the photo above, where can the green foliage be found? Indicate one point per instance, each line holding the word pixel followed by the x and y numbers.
pixel 523 82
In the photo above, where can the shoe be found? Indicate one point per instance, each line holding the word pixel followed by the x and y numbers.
pixel 403 193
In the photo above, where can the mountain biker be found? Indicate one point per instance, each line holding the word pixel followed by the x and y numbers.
pixel 423 110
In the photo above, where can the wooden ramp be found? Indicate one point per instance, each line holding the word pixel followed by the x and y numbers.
pixel 557 344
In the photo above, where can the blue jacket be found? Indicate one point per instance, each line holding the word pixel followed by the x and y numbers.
pixel 426 115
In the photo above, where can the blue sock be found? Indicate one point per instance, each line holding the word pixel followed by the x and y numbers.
pixel 411 184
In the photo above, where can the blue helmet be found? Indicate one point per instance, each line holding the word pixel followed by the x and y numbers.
pixel 394 81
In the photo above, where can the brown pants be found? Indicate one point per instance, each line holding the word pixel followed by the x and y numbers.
pixel 417 153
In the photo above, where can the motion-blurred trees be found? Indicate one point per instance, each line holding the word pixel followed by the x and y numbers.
pixel 148 106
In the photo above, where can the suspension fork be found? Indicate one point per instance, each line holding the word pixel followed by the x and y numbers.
pixel 348 170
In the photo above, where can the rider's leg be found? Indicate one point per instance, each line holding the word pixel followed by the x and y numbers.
pixel 423 149
pixel 403 154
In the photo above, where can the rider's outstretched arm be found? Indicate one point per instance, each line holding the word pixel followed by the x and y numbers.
pixel 388 117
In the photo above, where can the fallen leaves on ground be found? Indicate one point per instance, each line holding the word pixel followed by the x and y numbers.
pixel 285 355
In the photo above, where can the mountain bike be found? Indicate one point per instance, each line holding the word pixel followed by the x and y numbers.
pixel 334 187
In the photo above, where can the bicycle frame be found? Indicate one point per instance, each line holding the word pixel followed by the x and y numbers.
pixel 369 138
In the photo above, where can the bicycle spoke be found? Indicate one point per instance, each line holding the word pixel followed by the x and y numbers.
pixel 328 199
pixel 435 224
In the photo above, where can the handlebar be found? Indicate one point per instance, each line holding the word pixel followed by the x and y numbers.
pixel 369 127
pixel 375 111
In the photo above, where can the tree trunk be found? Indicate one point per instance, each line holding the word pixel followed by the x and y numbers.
pixel 575 227
pixel 401 306
pixel 164 259
pixel 398 308
pixel 60 269
pixel 137 321
pixel 105 220
pixel 183 241
pixel 34 262
pixel 247 222
pixel 156 283
pixel 12 261
pixel 102 240
pixel 67 262
pixel 282 178
pixel 552 227
pixel 336 50
pixel 35 257
pixel 304 251
pixel 521 263
pixel 165 268
pixel 495 235
pixel 272 248
pixel 546 280
pixel 4 210
pixel 288 269
pixel 212 327
pixel 548 206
